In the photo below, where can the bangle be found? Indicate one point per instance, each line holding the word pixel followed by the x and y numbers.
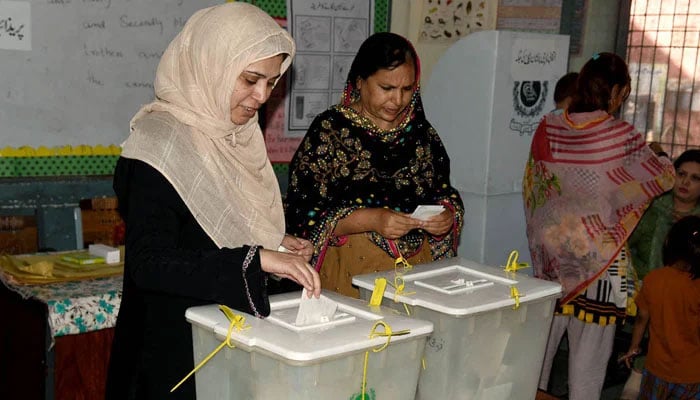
pixel 246 263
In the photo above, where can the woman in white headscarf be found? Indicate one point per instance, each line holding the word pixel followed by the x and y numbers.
pixel 200 200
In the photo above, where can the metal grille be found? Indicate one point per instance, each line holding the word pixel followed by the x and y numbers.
pixel 662 54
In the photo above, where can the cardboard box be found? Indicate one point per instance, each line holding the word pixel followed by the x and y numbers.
pixel 18 234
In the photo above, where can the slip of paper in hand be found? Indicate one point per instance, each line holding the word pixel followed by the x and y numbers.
pixel 314 310
pixel 425 212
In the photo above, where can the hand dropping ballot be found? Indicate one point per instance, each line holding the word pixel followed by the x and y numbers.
pixel 425 212
pixel 314 311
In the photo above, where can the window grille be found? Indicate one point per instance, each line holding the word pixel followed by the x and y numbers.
pixel 663 58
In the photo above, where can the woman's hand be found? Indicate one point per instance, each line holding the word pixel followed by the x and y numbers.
pixel 291 266
pixel 392 224
pixel 298 246
pixel 439 224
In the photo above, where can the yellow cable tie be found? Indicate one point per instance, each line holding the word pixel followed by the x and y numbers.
pixel 402 263
pixel 516 296
pixel 399 285
pixel 236 322
pixel 373 334
pixel 512 264
pixel 378 292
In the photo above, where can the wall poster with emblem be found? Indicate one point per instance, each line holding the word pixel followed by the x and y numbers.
pixel 533 67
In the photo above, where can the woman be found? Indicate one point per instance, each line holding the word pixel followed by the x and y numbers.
pixel 646 242
pixel 200 200
pixel 647 239
pixel 587 182
pixel 364 166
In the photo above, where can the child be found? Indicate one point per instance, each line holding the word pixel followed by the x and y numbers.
pixel 564 91
pixel 669 303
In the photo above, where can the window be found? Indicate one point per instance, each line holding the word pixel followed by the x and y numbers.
pixel 662 54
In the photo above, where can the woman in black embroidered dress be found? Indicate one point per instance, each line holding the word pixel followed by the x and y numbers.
pixel 364 166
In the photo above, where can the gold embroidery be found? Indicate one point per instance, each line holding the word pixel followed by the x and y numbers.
pixel 341 156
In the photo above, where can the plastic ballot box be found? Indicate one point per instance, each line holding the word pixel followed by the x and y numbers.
pixel 491 326
pixel 334 358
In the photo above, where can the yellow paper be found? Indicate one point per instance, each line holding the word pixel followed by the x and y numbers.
pixel 43 268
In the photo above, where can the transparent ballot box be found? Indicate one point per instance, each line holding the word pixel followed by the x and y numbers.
pixel 490 326
pixel 334 358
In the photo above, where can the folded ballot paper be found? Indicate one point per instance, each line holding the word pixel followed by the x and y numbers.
pixel 426 212
pixel 313 311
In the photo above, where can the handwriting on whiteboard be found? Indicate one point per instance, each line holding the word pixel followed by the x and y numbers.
pixel 15 25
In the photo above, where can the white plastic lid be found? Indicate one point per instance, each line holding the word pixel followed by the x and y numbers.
pixel 460 287
pixel 347 332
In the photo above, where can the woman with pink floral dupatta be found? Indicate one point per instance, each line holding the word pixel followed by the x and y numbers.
pixel 587 182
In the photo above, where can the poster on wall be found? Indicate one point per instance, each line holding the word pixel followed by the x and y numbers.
pixel 327 34
pixel 644 107
pixel 535 63
pixel 448 21
pixel 575 27
pixel 542 16
pixel 15 25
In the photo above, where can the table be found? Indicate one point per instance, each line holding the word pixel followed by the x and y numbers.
pixel 55 339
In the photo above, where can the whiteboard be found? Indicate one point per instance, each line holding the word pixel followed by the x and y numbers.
pixel 82 68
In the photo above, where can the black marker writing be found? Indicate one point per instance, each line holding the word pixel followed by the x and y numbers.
pixel 331 6
pixel 125 22
pixel 94 24
pixel 10 29
pixel 107 3
pixel 93 80
pixel 150 55
pixel 139 85
pixel 527 57
pixel 102 52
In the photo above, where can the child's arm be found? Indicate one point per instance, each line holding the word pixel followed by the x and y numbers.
pixel 640 326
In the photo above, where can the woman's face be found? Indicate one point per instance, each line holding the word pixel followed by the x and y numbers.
pixel 385 94
pixel 687 186
pixel 253 88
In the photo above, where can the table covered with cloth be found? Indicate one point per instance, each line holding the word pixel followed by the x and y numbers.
pixel 56 336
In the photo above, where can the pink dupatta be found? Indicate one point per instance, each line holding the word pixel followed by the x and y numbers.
pixel 587 182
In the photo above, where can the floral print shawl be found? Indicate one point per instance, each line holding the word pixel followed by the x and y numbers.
pixel 587 183
pixel 345 163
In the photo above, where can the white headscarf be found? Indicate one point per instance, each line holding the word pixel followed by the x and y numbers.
pixel 220 169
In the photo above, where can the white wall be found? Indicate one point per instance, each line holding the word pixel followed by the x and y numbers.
pixel 600 31
pixel 405 18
